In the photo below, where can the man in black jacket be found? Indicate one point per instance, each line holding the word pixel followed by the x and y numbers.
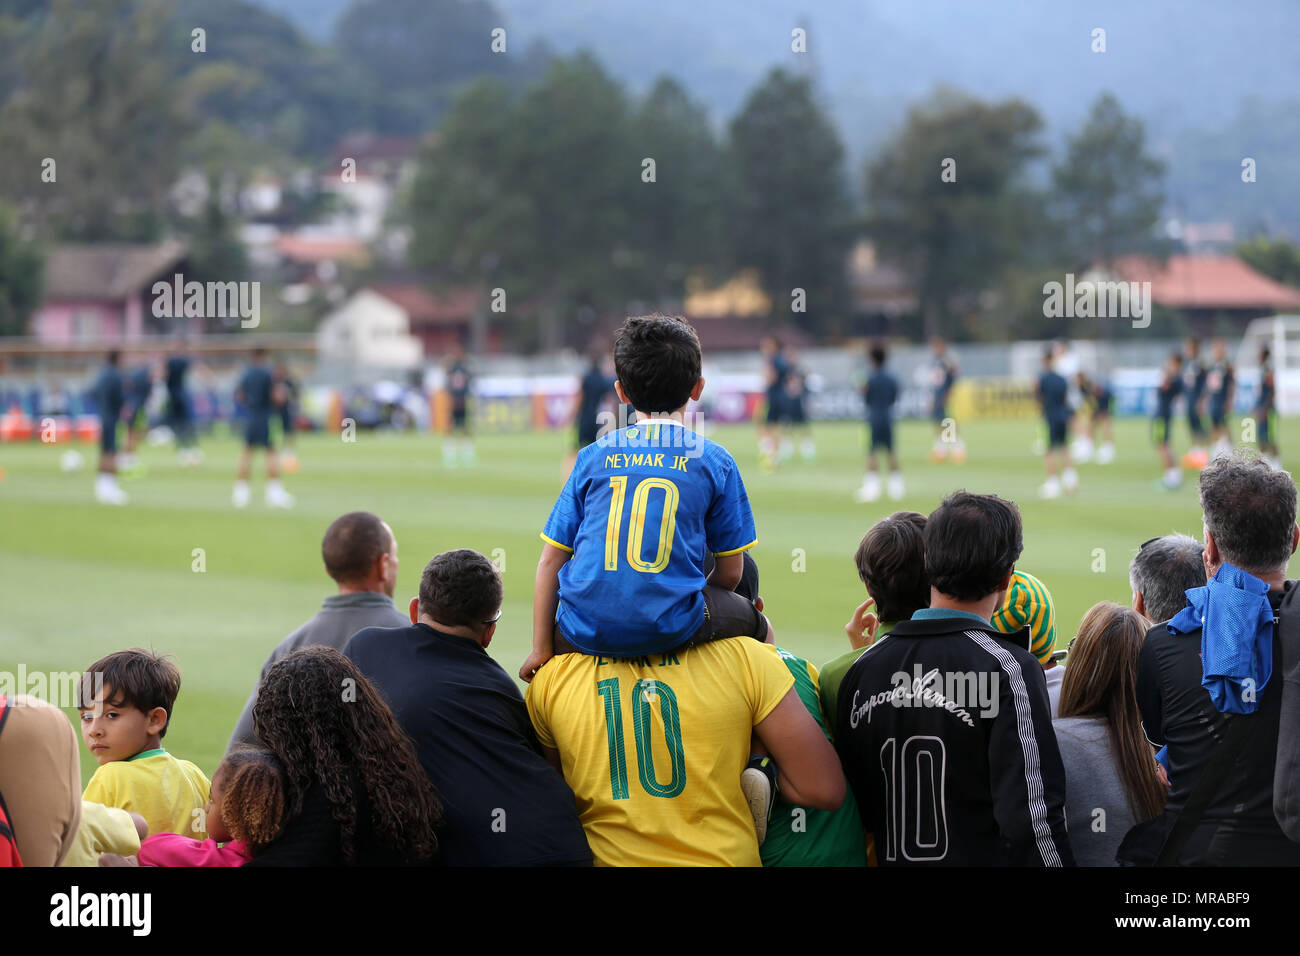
pixel 1250 523
pixel 503 804
pixel 944 726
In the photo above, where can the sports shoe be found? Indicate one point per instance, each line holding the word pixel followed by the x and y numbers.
pixel 108 493
pixel 277 497
pixel 1050 488
pixel 758 781
pixel 1070 481
pixel 239 497
pixel 1106 454
pixel 870 490
pixel 1173 478
pixel 896 485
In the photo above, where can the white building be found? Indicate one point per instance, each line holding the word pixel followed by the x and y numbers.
pixel 369 330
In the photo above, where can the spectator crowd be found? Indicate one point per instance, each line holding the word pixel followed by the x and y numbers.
pixel 948 733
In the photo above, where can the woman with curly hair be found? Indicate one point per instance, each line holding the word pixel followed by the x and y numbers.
pixel 356 794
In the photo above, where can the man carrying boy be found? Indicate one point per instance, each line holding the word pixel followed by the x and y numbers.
pixel 123 721
pixel 622 568
pixel 602 588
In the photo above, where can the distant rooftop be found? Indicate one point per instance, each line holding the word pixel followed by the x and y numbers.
pixel 108 271
pixel 1208 282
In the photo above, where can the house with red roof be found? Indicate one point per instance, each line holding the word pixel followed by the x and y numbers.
pixel 1206 288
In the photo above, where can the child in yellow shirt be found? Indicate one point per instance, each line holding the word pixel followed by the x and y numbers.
pixel 126 701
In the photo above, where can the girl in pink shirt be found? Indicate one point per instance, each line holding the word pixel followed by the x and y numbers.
pixel 245 812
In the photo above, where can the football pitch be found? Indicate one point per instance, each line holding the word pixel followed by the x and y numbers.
pixel 181 571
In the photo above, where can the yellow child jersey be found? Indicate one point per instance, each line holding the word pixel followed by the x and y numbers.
pixel 653 748
pixel 102 830
pixel 163 790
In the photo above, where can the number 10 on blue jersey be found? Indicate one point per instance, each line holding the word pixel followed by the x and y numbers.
pixel 636 525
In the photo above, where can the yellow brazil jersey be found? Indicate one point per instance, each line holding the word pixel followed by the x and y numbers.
pixel 654 746
pixel 163 790
pixel 102 830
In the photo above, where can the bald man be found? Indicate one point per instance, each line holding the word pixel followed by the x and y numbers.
pixel 360 554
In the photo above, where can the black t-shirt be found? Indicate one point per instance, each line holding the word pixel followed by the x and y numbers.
pixel 881 394
pixel 313 837
pixel 1053 392
pixel 1169 389
pixel 503 804
pixel 1177 712
pixel 256 387
pixel 177 367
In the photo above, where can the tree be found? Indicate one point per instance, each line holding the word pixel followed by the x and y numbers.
pixel 1276 258
pixel 21 277
pixel 792 209
pixel 1109 192
pixel 534 194
pixel 95 98
pixel 948 201
pixel 680 217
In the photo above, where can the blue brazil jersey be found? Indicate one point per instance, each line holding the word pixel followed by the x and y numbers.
pixel 639 512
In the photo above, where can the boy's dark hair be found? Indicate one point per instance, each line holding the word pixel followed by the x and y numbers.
pixel 352 544
pixel 877 355
pixel 657 360
pixel 255 796
pixel 971 542
pixel 460 588
pixel 114 357
pixel 259 352
pixel 137 677
pixel 891 563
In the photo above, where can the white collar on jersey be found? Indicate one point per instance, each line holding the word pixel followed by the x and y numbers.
pixel 663 421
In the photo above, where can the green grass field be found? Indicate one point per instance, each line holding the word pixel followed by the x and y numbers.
pixel 78 580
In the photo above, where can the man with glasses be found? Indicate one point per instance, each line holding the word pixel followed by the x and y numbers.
pixel 1162 571
pixel 503 803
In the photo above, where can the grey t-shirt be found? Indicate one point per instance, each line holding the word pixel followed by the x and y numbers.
pixel 1097 812
pixel 340 616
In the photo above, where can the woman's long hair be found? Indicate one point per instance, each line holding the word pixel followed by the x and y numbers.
pixel 327 724
pixel 1101 681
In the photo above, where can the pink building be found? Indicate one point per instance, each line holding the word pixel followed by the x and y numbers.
pixel 103 292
